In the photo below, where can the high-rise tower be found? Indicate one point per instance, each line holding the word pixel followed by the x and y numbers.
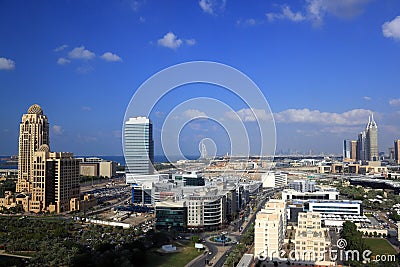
pixel 347 149
pixel 33 132
pixel 139 151
pixel 361 146
pixel 371 131
pixel 397 151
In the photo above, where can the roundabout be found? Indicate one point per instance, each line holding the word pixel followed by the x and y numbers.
pixel 221 239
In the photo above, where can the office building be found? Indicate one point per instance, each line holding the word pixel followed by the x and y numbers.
pixel 97 167
pixel 323 194
pixel 302 185
pixel 397 151
pixel 367 142
pixel 353 153
pixel 33 132
pixel 47 181
pixel 274 179
pixel 312 241
pixel 337 207
pixel 371 131
pixel 361 146
pixel 138 145
pixel 55 181
pixel 171 215
pixel 269 230
pixel 206 211
pixel 346 150
pixel 189 179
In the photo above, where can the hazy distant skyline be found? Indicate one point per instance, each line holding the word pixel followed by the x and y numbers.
pixel 323 66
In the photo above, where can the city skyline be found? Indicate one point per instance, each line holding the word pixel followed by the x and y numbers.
pixel 322 66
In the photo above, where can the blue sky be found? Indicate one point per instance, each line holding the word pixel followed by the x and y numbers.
pixel 322 65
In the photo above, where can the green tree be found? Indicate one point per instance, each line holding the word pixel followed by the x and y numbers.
pixel 195 238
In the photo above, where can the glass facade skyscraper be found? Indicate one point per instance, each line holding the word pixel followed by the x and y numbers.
pixel 139 145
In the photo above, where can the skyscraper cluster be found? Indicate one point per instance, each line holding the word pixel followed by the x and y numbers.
pixel 365 148
pixel 47 181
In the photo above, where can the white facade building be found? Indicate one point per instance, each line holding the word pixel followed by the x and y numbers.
pixel 324 194
pixel 138 145
pixel 206 212
pixel 311 240
pixel 269 230
pixel 337 207
pixel 274 179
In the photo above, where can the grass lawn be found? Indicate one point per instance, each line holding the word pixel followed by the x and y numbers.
pixel 174 259
pixel 380 246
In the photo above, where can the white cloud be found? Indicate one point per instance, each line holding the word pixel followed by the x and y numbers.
pixel 57 129
pixel 340 130
pixel 248 22
pixel 190 41
pixel 286 13
pixel 248 115
pixel 367 98
pixel 108 56
pixel 391 29
pixel 60 48
pixel 81 53
pixel 6 64
pixel 63 61
pixel 352 117
pixel 395 102
pixel 194 113
pixel 211 6
pixel 170 40
pixel 318 9
pixel 136 5
pixel 206 6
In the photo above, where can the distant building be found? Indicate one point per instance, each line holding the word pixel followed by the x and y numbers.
pixel 138 145
pixel 371 131
pixel 366 145
pixel 361 146
pixel 97 167
pixel 397 151
pixel 346 150
pixel 353 154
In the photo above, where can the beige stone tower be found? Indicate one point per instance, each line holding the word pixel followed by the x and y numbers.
pixel 33 132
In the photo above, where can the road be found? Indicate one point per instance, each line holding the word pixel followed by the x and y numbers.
pixel 221 252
